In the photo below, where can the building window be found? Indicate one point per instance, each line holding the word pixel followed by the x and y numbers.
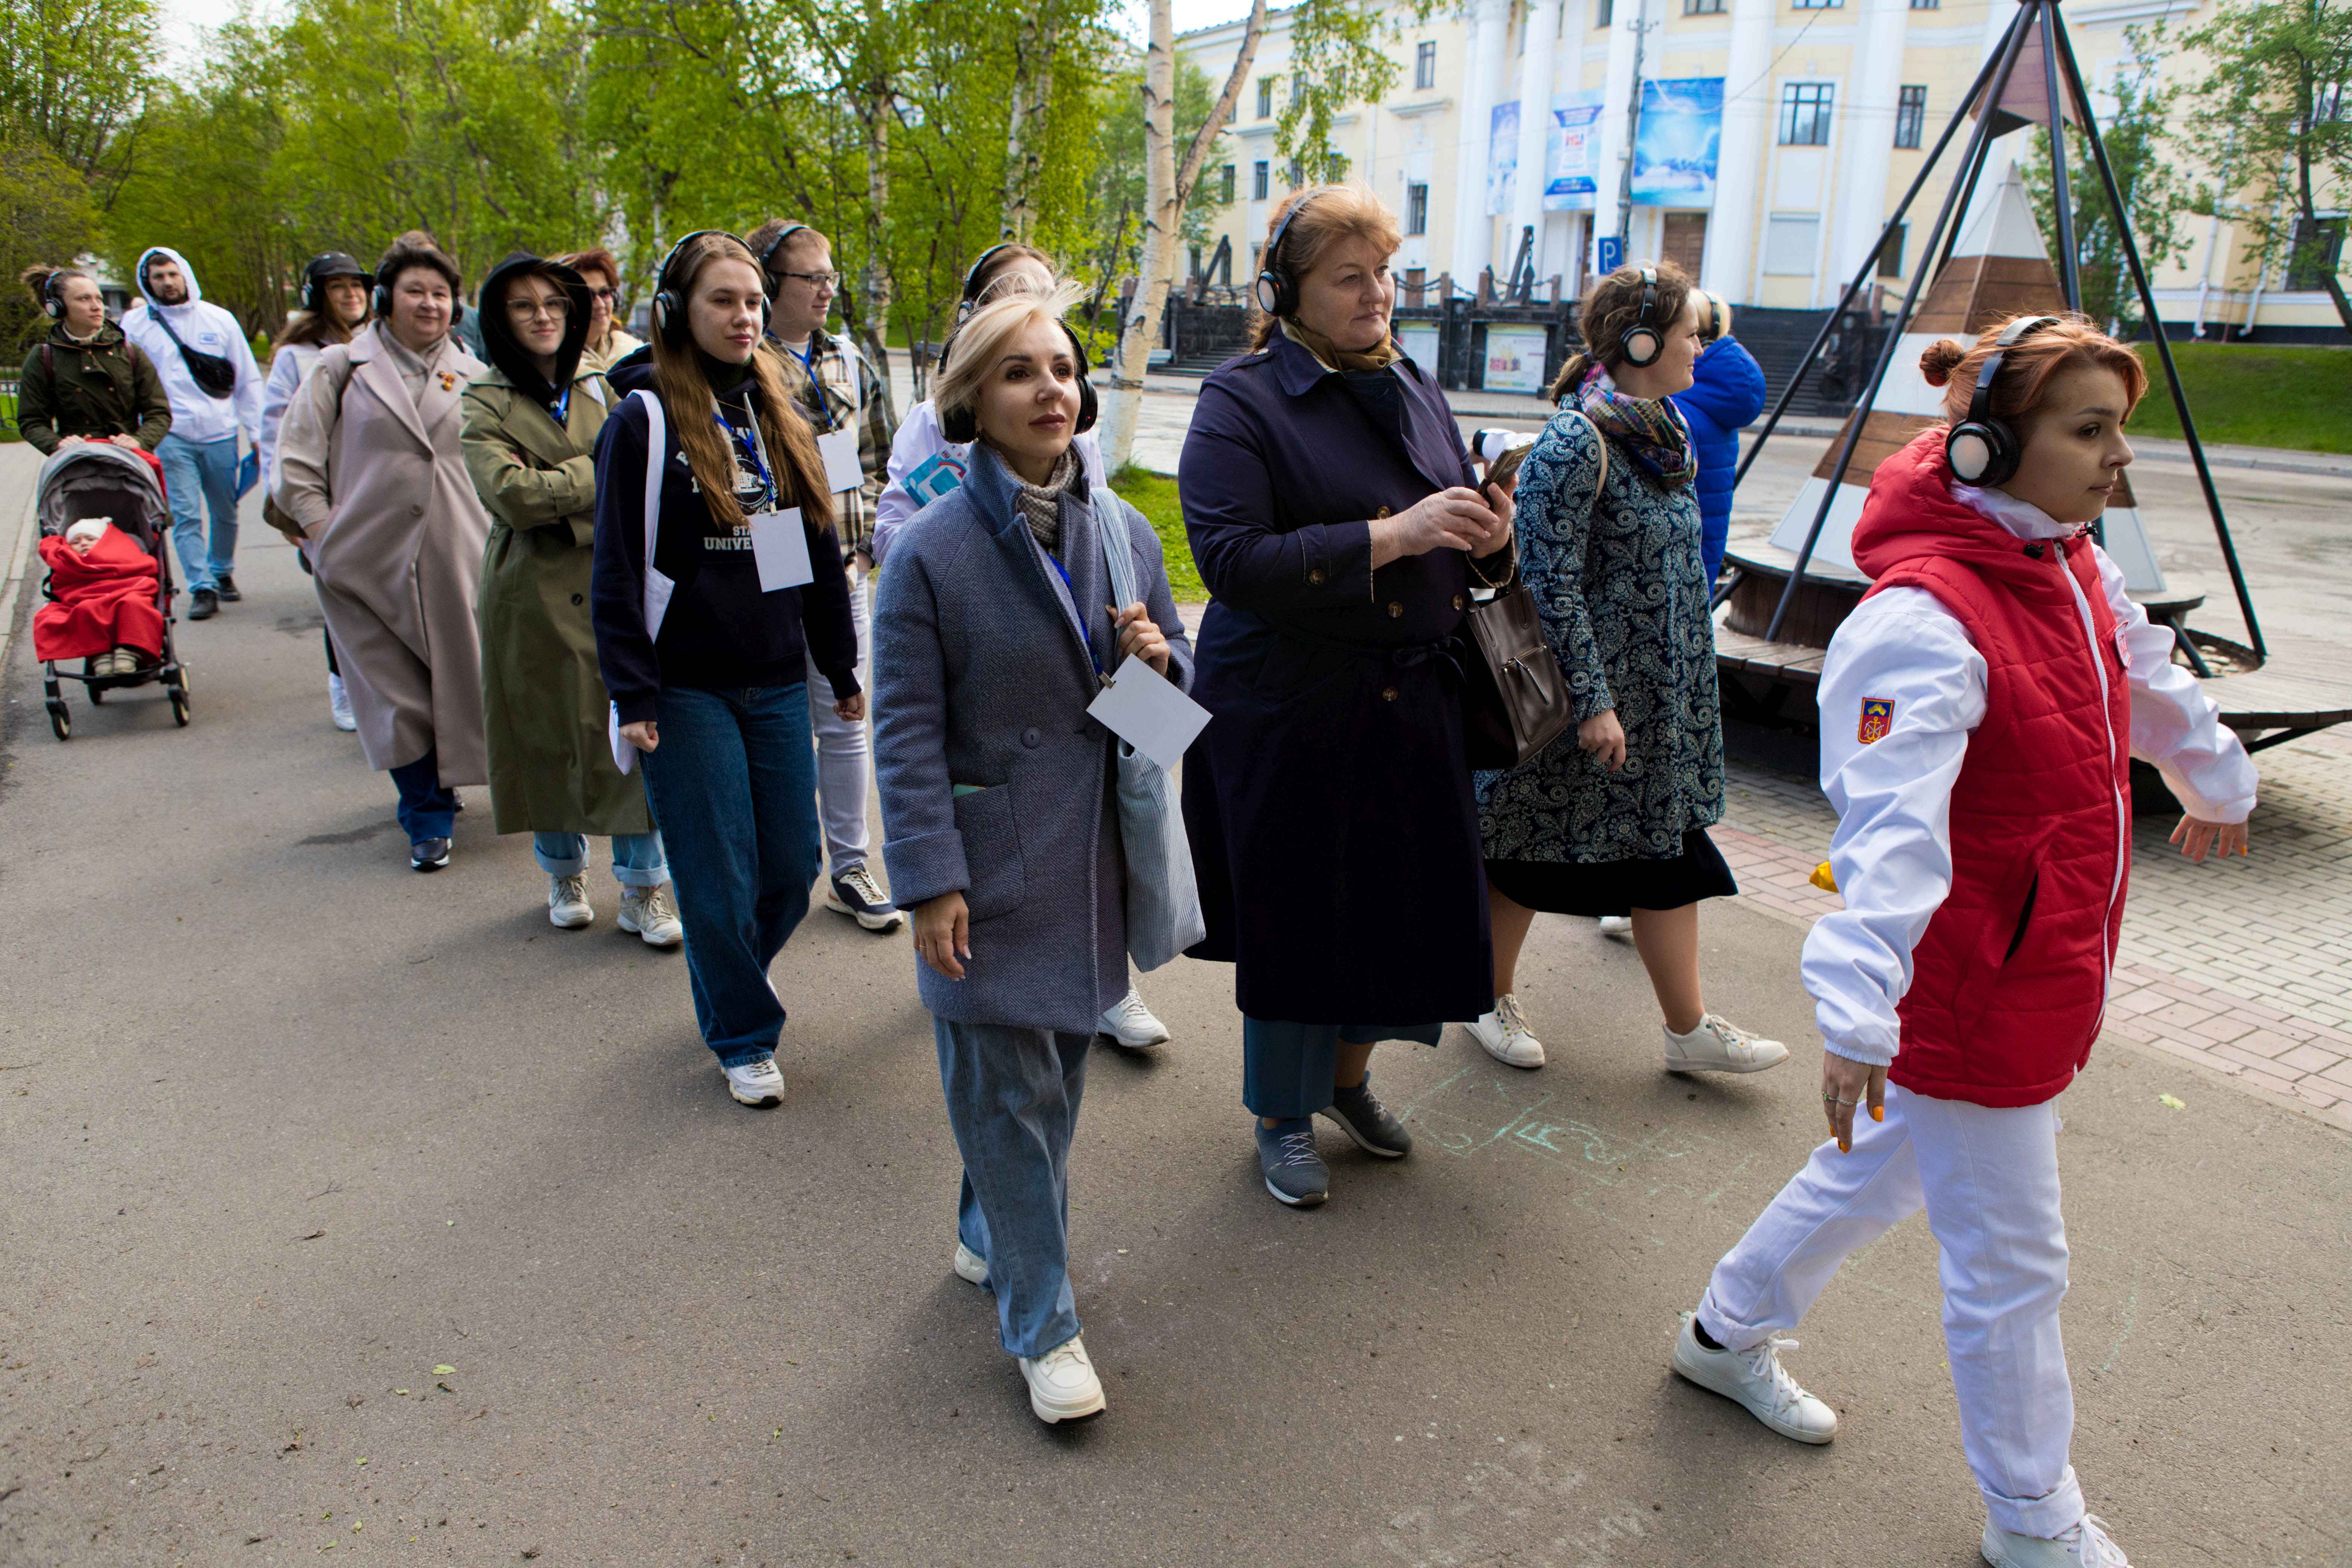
pixel 1819 5
pixel 1194 269
pixel 1297 89
pixel 1424 66
pixel 1258 180
pixel 1791 242
pixel 1603 13
pixel 1805 113
pixel 2318 251
pixel 1702 7
pixel 1416 210
pixel 1910 116
pixel 1890 255
pixel 1927 4
pixel 1416 279
pixel 1264 96
pixel 1225 186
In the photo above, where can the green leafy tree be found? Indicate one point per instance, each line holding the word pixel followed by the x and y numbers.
pixel 46 215
pixel 2153 191
pixel 1339 56
pixel 73 77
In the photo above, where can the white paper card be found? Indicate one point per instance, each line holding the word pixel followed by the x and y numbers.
pixel 1146 710
pixel 843 471
pixel 624 753
pixel 780 546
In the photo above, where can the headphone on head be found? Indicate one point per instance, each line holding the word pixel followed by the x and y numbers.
pixel 53 295
pixel 1713 318
pixel 1642 343
pixel 968 301
pixel 332 264
pixel 669 305
pixel 379 297
pixel 1277 291
pixel 769 252
pixel 962 426
pixel 1982 449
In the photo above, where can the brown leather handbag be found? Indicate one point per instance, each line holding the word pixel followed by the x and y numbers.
pixel 1515 695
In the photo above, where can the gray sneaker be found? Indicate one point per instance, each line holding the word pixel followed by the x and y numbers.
pixel 1295 1173
pixel 1362 1117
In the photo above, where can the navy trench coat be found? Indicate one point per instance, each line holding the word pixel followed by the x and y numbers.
pixel 1333 829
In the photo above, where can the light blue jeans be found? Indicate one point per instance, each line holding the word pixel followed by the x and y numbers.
pixel 1013 1103
pixel 201 477
pixel 637 858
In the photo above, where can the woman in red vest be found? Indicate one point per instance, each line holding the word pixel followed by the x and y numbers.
pixel 1980 712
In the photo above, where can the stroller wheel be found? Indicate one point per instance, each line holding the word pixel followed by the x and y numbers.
pixel 180 706
pixel 60 720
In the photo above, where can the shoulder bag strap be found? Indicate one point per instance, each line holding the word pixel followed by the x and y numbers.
pixel 657 587
pixel 1110 521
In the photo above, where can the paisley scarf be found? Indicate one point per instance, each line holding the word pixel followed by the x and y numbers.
pixel 1652 429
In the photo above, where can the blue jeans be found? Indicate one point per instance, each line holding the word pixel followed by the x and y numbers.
pixel 637 859
pixel 733 788
pixel 427 810
pixel 1012 1102
pixel 203 472
pixel 1286 1068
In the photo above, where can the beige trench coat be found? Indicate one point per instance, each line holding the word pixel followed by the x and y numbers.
pixel 378 483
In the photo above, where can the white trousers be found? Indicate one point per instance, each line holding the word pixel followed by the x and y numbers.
pixel 1989 1181
pixel 844 766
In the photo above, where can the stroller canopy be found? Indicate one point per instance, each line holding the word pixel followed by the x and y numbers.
pixel 98 479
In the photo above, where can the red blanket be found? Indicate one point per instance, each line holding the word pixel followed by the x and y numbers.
pixel 106 600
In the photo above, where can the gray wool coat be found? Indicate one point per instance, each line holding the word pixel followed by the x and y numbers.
pixel 982 678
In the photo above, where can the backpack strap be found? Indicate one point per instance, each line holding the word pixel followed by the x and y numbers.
pixel 658 587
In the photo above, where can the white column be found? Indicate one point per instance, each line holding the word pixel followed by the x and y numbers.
pixel 2015 147
pixel 1872 91
pixel 1473 228
pixel 1731 227
pixel 1617 92
pixel 1535 122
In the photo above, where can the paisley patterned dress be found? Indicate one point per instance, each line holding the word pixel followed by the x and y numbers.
pixel 1615 565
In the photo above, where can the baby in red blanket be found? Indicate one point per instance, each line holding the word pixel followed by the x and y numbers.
pixel 105 607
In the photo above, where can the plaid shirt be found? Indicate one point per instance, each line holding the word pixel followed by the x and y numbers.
pixel 845 386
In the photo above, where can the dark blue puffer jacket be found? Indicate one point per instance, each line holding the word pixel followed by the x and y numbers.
pixel 1727 392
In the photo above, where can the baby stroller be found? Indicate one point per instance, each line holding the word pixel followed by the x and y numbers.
pixel 97 478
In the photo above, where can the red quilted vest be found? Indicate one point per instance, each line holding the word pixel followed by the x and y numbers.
pixel 2010 981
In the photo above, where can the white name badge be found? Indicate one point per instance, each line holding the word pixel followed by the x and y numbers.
pixel 843 471
pixel 779 547
pixel 1146 710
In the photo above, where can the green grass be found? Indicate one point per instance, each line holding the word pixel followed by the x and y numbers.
pixel 1154 495
pixel 2253 395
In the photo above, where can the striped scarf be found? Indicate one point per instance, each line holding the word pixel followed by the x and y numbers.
pixel 1652 429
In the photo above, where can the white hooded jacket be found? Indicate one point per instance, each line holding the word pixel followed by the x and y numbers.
pixel 196 414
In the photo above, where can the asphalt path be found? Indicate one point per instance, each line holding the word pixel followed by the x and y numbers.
pixel 348 1213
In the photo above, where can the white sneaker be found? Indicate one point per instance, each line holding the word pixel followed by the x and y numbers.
pixel 1756 1379
pixel 339 704
pixel 969 1265
pixel 1504 1033
pixel 856 894
pixel 1717 1045
pixel 756 1083
pixel 1130 1024
pixel 1616 925
pixel 567 902
pixel 651 913
pixel 1061 1384
pixel 2084 1546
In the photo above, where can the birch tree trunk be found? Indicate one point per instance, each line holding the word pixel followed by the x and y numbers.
pixel 874 286
pixel 1032 95
pixel 1167 188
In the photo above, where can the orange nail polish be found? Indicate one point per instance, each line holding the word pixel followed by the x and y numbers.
pixel 1878 1113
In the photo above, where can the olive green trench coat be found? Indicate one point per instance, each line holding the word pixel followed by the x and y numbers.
pixel 550 763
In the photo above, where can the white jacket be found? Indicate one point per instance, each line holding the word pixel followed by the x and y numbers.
pixel 196 414
pixel 1892 855
pixel 918 439
pixel 287 369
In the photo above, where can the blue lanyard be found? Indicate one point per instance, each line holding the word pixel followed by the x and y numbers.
pixel 1084 630
pixel 748 448
pixel 563 406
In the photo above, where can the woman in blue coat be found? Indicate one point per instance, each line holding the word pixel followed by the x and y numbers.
pixel 1725 394
pixel 1331 510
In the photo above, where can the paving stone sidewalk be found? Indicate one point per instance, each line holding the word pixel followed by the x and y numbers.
pixel 2243 969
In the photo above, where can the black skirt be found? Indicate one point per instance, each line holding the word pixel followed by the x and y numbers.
pixel 1616 887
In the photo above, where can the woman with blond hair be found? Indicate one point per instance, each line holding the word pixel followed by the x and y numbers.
pixel 706 479
pixel 1332 509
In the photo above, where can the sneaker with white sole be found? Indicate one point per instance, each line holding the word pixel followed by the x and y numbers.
pixel 756 1083
pixel 339 703
pixel 1062 1382
pixel 856 894
pixel 1756 1379
pixel 1504 1035
pixel 1129 1023
pixel 2088 1545
pixel 1616 925
pixel 652 914
pixel 1717 1046
pixel 969 1267
pixel 567 902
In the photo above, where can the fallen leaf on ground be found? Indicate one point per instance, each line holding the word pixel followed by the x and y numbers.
pixel 443 1370
pixel 2171 1104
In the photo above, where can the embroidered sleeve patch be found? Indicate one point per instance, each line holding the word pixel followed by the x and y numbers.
pixel 1877 718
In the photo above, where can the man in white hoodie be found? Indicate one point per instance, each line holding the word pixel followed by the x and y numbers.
pixel 214 389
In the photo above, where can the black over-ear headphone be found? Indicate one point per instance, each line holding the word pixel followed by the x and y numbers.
pixel 53 295
pixel 1641 344
pixel 380 299
pixel 1276 289
pixel 669 305
pixel 962 426
pixel 332 264
pixel 968 301
pixel 769 252
pixel 1982 449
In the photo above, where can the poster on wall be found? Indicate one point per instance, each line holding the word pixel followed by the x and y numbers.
pixel 1571 151
pixel 1419 340
pixel 1674 151
pixel 1503 160
pixel 1515 359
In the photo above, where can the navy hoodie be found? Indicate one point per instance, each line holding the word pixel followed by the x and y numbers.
pixel 720 631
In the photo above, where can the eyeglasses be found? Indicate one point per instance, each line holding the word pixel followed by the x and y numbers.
pixel 823 279
pixel 607 295
pixel 554 310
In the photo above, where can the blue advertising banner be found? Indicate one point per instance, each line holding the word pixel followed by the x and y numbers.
pixel 1571 151
pixel 1674 151
pixel 1503 161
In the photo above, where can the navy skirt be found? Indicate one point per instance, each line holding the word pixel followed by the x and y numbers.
pixel 1616 887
